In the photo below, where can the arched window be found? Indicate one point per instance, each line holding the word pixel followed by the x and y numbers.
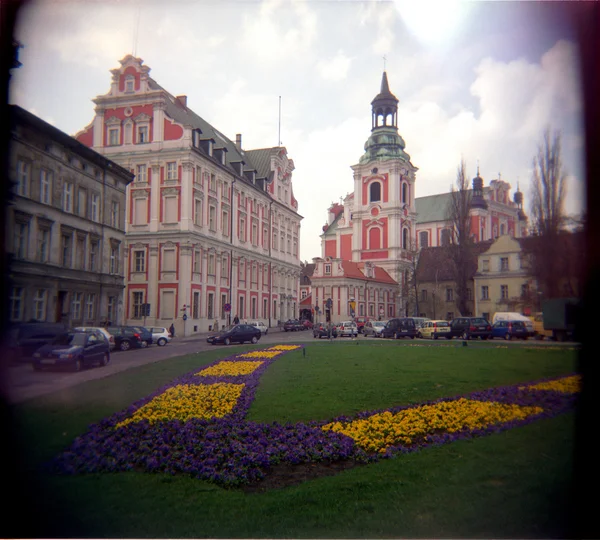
pixel 502 229
pixel 405 238
pixel 375 192
pixel 374 238
pixel 404 192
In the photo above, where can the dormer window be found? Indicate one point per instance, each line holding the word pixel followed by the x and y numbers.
pixel 129 83
pixel 327 269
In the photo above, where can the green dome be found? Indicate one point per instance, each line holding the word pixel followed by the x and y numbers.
pixel 383 144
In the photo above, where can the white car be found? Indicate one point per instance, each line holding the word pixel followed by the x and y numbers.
pixel 109 337
pixel 160 336
pixel 264 329
pixel 347 328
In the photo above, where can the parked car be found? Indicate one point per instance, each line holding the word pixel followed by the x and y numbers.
pixel 397 328
pixel 470 327
pixel 373 328
pixel 419 322
pixel 513 316
pixel 23 339
pixel 360 322
pixel 510 329
pixel 347 328
pixel 323 330
pixel 104 331
pixel 293 325
pixel 125 337
pixel 161 336
pixel 145 334
pixel 308 325
pixel 75 350
pixel 237 333
pixel 264 329
pixel 435 329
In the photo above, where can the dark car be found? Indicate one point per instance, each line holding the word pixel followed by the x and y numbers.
pixel 470 327
pixel 145 333
pixel 293 325
pixel 308 325
pixel 238 333
pixel 125 337
pixel 75 350
pixel 510 329
pixel 400 328
pixel 323 330
pixel 25 338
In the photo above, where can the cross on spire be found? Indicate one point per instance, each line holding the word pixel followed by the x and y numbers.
pixel 384 59
pixel 499 176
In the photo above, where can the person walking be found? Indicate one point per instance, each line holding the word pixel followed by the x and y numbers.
pixel 216 326
pixel 236 320
pixel 172 330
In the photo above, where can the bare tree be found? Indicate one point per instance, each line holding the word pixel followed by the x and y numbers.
pixel 547 213
pixel 413 280
pixel 460 248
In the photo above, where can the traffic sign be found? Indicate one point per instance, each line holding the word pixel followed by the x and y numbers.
pixel 184 317
pixel 329 303
pixel 227 308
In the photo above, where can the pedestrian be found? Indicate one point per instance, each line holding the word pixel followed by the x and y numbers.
pixel 172 330
pixel 236 320
pixel 216 325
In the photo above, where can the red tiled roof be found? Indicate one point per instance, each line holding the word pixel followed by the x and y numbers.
pixel 355 270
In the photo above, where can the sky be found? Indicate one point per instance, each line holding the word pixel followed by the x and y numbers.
pixel 478 81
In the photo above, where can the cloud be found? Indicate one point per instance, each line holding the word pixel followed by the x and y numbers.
pixel 336 68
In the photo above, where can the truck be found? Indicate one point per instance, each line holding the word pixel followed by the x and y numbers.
pixel 560 316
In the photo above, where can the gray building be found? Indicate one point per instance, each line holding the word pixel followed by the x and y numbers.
pixel 65 227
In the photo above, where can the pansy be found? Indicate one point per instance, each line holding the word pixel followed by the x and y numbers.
pixel 260 354
pixel 567 385
pixel 230 368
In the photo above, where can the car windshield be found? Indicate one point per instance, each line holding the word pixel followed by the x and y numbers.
pixel 442 324
pixel 479 321
pixel 73 340
pixel 379 323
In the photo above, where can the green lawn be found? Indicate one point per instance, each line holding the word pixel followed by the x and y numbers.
pixel 512 484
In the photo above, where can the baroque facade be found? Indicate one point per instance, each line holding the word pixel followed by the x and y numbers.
pixel 65 227
pixel 213 230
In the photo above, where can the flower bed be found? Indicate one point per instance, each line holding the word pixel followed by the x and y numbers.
pixel 196 425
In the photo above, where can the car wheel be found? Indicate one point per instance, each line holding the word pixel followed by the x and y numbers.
pixel 144 344
pixel 412 337
pixel 105 360
pixel 227 341
pixel 507 336
pixel 435 336
pixel 125 345
pixel 266 332
pixel 161 342
pixel 465 335
pixel 77 365
pixel 254 340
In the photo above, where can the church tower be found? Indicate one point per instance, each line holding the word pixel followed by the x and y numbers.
pixel 383 214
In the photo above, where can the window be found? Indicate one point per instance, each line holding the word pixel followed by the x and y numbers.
pixel 140 260
pixel 289 246
pixel 210 306
pixel 198 212
pixel 169 260
pixel 138 302
pixel 223 302
pixel 93 256
pixel 274 314
pixel 129 82
pixel 504 291
pixel 113 137
pixel 95 215
pixel 424 239
pixel 254 234
pixel 211 264
pixel 82 202
pixel 140 211
pixel 39 304
pixel 486 316
pixel 67 201
pixel 485 292
pixel 167 305
pixel 486 266
pixel 424 295
pixel 142 134
pixel 197 261
pixel 89 306
pixel 21 240
pixel 502 228
pixel 242 231
pixel 449 315
pixel 295 248
pixel 524 290
pixel 327 269
pixel 43 244
pixel 128 132
pixel 241 306
pixel 405 239
pixel 254 275
pixel 66 250
pixel 469 294
pixel 404 192
pixel 390 311
pixel 445 237
pixel 503 264
pixel 114 260
pixel 225 224
pixel 111 309
pixel 23 169
pixel 303 294
pixel 371 310
pixel 196 305
pixel 225 267
pixel 212 219
pixel 76 306
pixel 141 173
pixel 114 214
pixel 213 183
pixel 80 254
pixel 449 295
pixel 275 236
pixel 16 303
pixel 253 308
pixel 171 210
pixel 242 271
pixel 265 304
pixel 171 170
pixel 45 187
pixel 375 192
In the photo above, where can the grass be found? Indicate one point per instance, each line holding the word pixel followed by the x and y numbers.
pixel 512 484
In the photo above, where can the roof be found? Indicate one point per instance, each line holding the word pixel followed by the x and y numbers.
pixel 432 207
pixel 306 301
pixel 261 159
pixel 307 270
pixel 356 270
pixel 435 263
pixel 20 115
pixel 331 228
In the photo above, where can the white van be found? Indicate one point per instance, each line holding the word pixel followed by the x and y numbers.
pixel 514 316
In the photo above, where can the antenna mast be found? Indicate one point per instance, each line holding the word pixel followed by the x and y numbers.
pixel 279 132
pixel 137 30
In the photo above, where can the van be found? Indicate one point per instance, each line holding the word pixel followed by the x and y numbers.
pixel 397 328
pixel 23 339
pixel 513 316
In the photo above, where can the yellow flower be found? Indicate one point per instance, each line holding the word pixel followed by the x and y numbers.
pixel 566 385
pixel 184 402
pixel 283 347
pixel 230 368
pixel 382 430
pixel 260 354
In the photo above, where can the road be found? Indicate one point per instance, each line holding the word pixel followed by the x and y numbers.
pixel 21 383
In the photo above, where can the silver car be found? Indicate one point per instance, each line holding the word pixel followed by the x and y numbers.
pixel 160 336
pixel 347 328
pixel 373 328
pixel 264 329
